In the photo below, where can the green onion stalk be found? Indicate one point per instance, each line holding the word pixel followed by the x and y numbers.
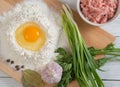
pixel 83 62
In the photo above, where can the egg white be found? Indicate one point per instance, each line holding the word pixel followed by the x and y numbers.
pixel 27 11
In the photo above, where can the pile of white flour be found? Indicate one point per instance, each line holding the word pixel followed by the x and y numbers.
pixel 29 10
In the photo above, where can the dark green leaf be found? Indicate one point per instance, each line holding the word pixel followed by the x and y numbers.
pixel 61 51
pixel 102 61
pixel 110 46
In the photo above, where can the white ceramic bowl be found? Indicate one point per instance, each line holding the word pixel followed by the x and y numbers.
pixel 96 24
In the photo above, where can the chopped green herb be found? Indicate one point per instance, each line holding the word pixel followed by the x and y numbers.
pixel 65 60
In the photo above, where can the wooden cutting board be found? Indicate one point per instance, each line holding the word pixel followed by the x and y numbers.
pixel 93 36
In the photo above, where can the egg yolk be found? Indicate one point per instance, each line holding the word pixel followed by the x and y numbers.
pixel 31 33
pixel 30 36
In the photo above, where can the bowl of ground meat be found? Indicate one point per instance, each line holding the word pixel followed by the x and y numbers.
pixel 98 12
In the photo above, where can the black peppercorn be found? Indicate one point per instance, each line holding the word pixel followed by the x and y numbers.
pixel 17 67
pixel 22 66
pixel 12 62
pixel 8 60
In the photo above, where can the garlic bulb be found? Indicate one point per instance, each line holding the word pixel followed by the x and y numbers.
pixel 52 73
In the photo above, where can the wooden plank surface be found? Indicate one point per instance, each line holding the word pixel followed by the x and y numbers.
pixel 8 82
pixel 2 74
pixel 89 33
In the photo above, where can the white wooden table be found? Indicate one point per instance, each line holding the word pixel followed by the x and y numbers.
pixel 111 77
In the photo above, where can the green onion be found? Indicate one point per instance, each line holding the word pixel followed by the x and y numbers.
pixel 84 65
pixel 109 50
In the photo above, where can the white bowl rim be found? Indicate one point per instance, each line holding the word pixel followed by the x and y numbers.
pixel 96 24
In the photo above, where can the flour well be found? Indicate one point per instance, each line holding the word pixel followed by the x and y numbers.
pixel 27 11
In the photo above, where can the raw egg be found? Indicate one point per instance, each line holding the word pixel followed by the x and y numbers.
pixel 30 36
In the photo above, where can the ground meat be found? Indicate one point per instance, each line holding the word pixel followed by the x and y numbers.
pixel 52 73
pixel 99 11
